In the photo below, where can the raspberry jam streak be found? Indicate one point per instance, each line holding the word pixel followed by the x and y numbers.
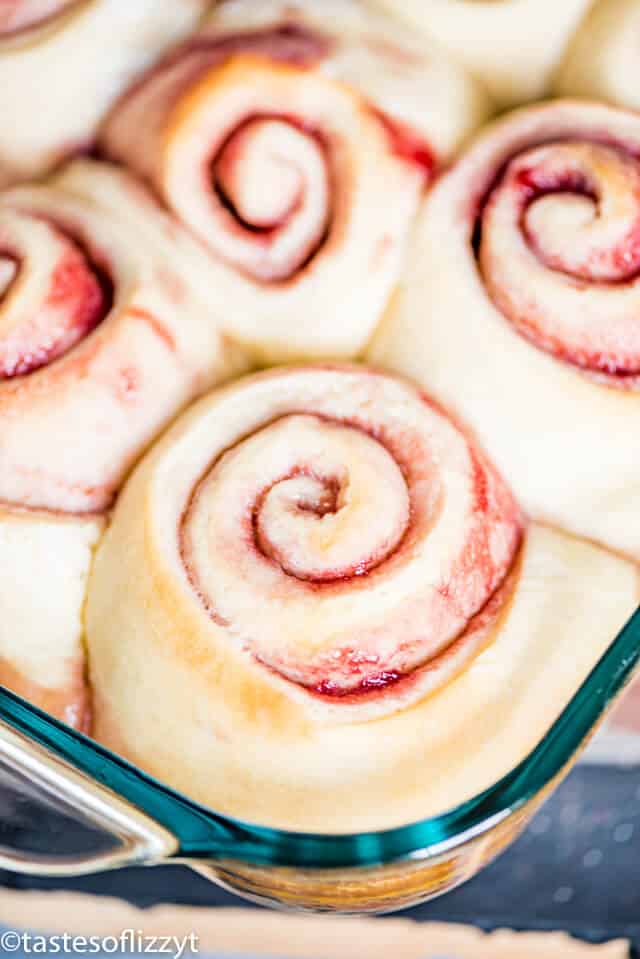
pixel 320 531
pixel 407 145
pixel 557 239
pixel 79 295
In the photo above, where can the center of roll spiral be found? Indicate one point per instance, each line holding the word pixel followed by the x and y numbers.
pixel 271 177
pixel 318 522
pixel 559 250
pixel 52 294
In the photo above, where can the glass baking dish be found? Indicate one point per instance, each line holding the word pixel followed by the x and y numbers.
pixel 52 776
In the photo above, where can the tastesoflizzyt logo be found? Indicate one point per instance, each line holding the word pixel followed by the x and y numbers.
pixel 132 941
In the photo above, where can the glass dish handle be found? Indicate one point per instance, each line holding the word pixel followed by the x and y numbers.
pixel 56 821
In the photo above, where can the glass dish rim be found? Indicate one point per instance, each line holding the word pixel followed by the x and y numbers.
pixel 204 834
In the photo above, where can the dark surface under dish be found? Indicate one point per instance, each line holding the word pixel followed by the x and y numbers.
pixel 577 868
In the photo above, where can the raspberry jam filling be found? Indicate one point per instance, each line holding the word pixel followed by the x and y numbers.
pixel 320 516
pixel 408 145
pixel 284 226
pixel 300 46
pixel 78 294
pixel 558 245
pixel 289 224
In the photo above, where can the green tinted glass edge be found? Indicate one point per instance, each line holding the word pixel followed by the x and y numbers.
pixel 205 834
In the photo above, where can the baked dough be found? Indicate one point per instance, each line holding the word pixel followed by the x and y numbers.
pixel 518 309
pixel 319 608
pixel 602 60
pixel 64 62
pixel 45 561
pixel 514 46
pixel 102 341
pixel 318 126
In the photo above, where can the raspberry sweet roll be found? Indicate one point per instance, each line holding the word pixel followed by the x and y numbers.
pixel 295 140
pixel 602 60
pixel 514 46
pixel 64 62
pixel 102 341
pixel 520 309
pixel 319 606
